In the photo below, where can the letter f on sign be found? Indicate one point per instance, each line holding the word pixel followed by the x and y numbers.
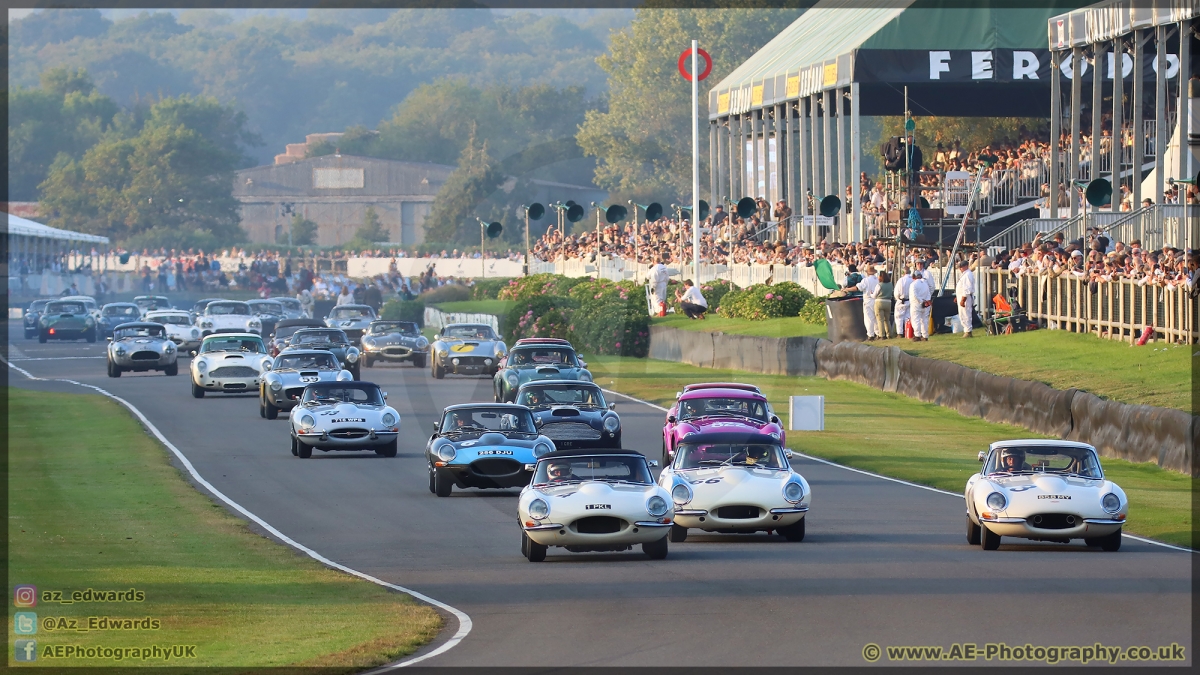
pixel 939 62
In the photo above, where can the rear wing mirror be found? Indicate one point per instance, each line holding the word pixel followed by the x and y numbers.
pixel 653 463
pixel 612 406
pixel 789 453
pixel 982 455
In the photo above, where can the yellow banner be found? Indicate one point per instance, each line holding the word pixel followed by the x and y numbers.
pixel 723 102
pixel 756 95
pixel 830 74
pixel 793 86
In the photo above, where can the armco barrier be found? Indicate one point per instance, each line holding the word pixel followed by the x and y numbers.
pixel 1137 433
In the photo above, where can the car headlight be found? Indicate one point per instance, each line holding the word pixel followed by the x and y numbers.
pixel 389 419
pixel 352 355
pixel 307 422
pixel 169 347
pixel 454 361
pixel 422 343
pixel 345 376
pixel 681 494
pixel 513 380
pixel 487 362
pixel 541 449
pixel 539 509
pixel 793 492
pixel 206 324
pixel 996 501
pixel 611 424
pixel 120 351
pixel 1111 503
pixel 446 452
pixel 195 333
pixel 368 342
pixel 585 376
pixel 657 506
pixel 276 385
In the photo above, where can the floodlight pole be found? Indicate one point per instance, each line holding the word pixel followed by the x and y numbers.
pixel 526 238
pixel 636 259
pixel 695 163
pixel 482 259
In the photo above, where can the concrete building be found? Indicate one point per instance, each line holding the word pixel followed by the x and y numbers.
pixel 334 191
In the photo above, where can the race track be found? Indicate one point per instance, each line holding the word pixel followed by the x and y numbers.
pixel 883 562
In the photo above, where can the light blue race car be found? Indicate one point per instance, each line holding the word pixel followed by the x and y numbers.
pixel 483 445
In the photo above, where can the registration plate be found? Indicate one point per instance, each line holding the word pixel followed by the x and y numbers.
pixel 495 452
pixel 348 419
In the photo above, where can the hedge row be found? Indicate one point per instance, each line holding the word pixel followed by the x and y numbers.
pixel 762 302
pixel 597 316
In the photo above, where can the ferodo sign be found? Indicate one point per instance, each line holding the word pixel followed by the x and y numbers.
pixel 985 65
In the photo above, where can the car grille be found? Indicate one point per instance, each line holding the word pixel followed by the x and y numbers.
pixel 570 431
pixel 397 351
pixel 738 512
pixel 495 466
pixel 350 434
pixel 469 360
pixel 144 356
pixel 234 371
pixel 235 385
pixel 1054 521
pixel 598 525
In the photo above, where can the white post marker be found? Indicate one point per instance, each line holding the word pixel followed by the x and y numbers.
pixel 695 162
pixel 807 413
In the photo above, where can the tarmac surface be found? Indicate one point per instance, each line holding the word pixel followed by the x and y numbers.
pixel 883 562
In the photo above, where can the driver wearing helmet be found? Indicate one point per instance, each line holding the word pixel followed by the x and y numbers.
pixel 559 472
pixel 757 455
pixel 1013 459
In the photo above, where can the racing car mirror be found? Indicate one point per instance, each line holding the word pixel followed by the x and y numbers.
pixel 982 455
pixel 612 406
pixel 653 463
pixel 385 395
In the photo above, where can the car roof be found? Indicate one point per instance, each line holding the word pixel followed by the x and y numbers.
pixel 467 406
pixel 138 324
pixel 588 452
pixel 311 323
pixel 155 297
pixel 724 393
pixel 118 304
pixel 232 302
pixel 466 325
pixel 235 335
pixel 1039 443
pixel 739 437
pixel 260 300
pixel 167 311
pixel 557 383
pixel 355 306
pixel 720 385
pixel 375 321
pixel 302 352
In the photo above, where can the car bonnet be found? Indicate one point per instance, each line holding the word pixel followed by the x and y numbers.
pixel 492 444
pixel 1038 491
pixel 596 498
pixel 735 484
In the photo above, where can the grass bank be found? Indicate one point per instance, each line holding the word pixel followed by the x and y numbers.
pixel 497 307
pixel 893 435
pixel 787 327
pixel 94 503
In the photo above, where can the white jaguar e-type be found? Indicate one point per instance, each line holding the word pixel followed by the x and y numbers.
pixel 344 415
pixel 593 500
pixel 735 480
pixel 1046 490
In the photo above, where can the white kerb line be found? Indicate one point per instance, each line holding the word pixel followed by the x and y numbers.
pixel 464 621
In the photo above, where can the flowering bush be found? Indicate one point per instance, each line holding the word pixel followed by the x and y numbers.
pixel 762 302
pixel 814 312
pixel 488 289
pixel 611 318
pixel 524 288
pixel 541 316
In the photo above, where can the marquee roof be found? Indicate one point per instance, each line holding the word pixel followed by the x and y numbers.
pixel 28 228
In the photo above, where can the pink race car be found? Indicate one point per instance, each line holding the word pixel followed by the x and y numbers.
pixel 717 407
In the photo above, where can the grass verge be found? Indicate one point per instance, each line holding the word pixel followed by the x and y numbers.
pixel 496 307
pixel 94 503
pixel 897 436
pixel 791 326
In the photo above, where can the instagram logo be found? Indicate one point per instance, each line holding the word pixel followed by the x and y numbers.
pixel 25 596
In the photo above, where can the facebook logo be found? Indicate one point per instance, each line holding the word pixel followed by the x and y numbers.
pixel 25 650
pixel 25 623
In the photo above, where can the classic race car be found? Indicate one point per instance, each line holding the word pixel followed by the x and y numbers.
pixel 66 320
pixel 534 360
pixel 179 327
pixel 344 416
pixel 89 304
pixel 483 445
pixel 290 373
pixel 292 309
pixel 594 500
pixel 708 410
pixel 394 341
pixel 281 336
pixel 572 414
pixel 268 313
pixel 351 319
pixel 139 346
pixel 1046 490
pixel 228 316
pixel 466 349
pixel 197 309
pixel 30 318
pixel 152 303
pixel 674 410
pixel 116 313
pixel 332 340
pixel 736 479
pixel 231 363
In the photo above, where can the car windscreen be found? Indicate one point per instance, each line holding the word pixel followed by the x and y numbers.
pixel 539 356
pixel 595 467
pixel 227 308
pixel 701 455
pixel 156 301
pixel 577 395
pixel 290 303
pixel 139 331
pixel 401 327
pixel 721 406
pixel 469 332
pixel 233 344
pixel 121 311
pixel 322 361
pixel 314 337
pixel 266 308
pixel 351 312
pixel 344 392
pixel 170 319
pixel 1044 459
pixel 487 419
pixel 65 308
pixel 38 305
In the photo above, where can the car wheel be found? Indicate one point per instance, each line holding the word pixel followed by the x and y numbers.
pixel 442 484
pixel 988 539
pixel 678 533
pixel 793 532
pixel 197 391
pixel 356 371
pixel 42 337
pixel 972 532
pixel 262 406
pixel 419 361
pixel 657 550
pixel 295 450
pixel 535 552
pixel 90 336
pixel 1111 542
pixel 388 450
pixel 270 410
pixel 438 371
pixel 29 334
pixel 303 450
pixel 666 458
pixel 172 370
pixel 432 487
pixel 113 370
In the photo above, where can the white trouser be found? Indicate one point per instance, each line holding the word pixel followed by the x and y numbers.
pixel 964 313
pixel 869 319
pixel 920 320
pixel 900 313
pixel 660 293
